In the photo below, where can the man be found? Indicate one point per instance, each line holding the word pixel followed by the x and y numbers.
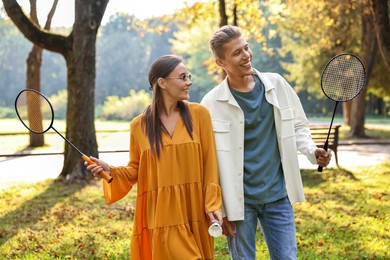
pixel 259 125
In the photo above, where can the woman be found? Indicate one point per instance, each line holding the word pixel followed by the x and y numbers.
pixel 173 161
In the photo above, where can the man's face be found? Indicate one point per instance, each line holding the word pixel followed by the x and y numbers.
pixel 237 60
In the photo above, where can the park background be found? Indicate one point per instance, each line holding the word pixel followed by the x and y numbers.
pixel 67 218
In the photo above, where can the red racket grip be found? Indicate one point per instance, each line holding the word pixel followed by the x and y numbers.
pixel 104 175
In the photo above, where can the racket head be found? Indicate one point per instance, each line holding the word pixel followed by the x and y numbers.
pixel 34 111
pixel 343 77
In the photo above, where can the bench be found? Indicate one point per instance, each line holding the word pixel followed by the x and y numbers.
pixel 319 134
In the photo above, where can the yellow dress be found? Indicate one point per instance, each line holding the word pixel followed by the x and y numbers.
pixel 174 192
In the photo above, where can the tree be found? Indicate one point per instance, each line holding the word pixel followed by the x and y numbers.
pixel 122 70
pixel 14 50
pixel 141 42
pixel 34 62
pixel 192 44
pixel 380 10
pixel 315 31
pixel 368 53
pixel 252 16
pixel 375 18
pixel 78 49
pixel 222 13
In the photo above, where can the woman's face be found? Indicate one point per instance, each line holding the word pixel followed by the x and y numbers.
pixel 177 84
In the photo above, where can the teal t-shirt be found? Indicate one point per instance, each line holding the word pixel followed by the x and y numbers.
pixel 263 173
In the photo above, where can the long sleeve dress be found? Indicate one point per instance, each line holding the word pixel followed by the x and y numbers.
pixel 174 192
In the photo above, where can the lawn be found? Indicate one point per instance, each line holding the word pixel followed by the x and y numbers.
pixel 346 216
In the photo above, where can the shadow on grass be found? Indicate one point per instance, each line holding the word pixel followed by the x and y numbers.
pixel 313 178
pixel 31 211
pixel 27 151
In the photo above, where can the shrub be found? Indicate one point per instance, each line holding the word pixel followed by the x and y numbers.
pixel 126 108
pixel 7 112
pixel 59 102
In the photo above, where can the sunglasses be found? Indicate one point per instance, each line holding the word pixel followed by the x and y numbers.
pixel 184 77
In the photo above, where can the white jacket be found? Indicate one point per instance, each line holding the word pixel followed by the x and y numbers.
pixel 293 134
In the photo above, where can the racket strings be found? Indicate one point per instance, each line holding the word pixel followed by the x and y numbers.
pixel 34 111
pixel 343 78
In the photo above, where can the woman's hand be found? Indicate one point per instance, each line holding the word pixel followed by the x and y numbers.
pixel 98 167
pixel 215 216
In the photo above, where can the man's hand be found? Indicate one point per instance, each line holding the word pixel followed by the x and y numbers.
pixel 228 228
pixel 323 157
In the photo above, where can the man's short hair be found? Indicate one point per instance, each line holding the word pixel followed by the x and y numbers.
pixel 222 36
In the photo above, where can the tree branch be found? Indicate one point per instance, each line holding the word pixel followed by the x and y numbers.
pixel 222 13
pixel 41 38
pixel 33 11
pixel 50 15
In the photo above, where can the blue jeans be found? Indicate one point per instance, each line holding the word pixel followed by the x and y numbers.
pixel 277 223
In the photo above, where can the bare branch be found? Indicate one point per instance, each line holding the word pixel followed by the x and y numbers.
pixel 33 11
pixel 50 15
pixel 42 38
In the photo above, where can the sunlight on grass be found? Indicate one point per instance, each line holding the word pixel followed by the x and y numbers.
pixel 345 216
pixel 333 222
pixel 51 220
pixel 378 131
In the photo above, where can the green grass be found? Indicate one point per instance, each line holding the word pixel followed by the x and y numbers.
pixel 373 131
pixel 346 216
pixel 50 220
pixel 339 120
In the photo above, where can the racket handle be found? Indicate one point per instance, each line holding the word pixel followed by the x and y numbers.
pixel 103 174
pixel 326 149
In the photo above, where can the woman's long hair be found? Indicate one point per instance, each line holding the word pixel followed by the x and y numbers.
pixel 161 68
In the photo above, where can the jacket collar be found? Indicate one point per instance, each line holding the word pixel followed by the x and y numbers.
pixel 224 93
pixel 266 82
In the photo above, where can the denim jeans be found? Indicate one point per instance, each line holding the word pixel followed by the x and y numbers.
pixel 277 223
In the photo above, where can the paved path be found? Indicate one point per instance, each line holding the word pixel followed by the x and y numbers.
pixel 40 167
pixel 355 155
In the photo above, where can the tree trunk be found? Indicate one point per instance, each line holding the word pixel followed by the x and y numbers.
pixel 79 51
pixel 380 10
pixel 222 13
pixel 223 21
pixel 368 51
pixel 347 113
pixel 235 17
pixel 34 62
pixel 81 89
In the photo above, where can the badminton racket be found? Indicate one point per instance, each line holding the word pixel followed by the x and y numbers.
pixel 36 113
pixel 342 79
